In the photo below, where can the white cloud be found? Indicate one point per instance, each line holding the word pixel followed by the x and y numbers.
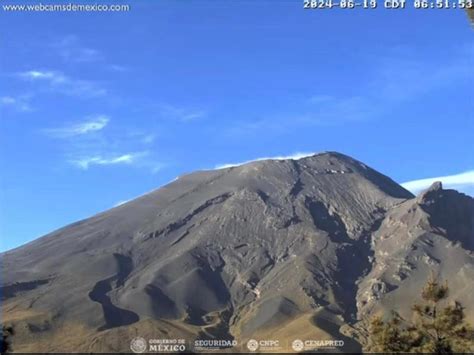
pixel 121 203
pixel 89 143
pixel 54 77
pixel 81 54
pixel 71 50
pixel 61 83
pixel 93 124
pixel 82 88
pixel 149 138
pixel 86 162
pixel 7 100
pixel 155 166
pixel 463 182
pixel 20 103
pixel 295 156
pixel 117 68
pixel 180 114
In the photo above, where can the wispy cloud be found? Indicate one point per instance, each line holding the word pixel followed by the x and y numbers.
pixel 317 99
pixel 148 138
pixel 51 76
pixel 92 124
pixel 321 110
pixel 180 113
pixel 294 156
pixel 71 49
pixel 19 103
pixel 91 143
pixel 86 162
pixel 61 83
pixel 395 79
pixel 463 182
pixel 117 68
pixel 7 100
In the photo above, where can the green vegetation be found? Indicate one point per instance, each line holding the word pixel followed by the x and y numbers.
pixel 436 327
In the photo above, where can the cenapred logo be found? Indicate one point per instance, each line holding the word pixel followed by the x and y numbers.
pixel 309 345
pixel 138 345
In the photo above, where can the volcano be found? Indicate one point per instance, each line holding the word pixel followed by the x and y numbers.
pixel 273 249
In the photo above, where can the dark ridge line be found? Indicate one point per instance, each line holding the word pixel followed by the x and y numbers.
pixel 180 223
pixel 298 185
pixel 11 290
pixel 327 222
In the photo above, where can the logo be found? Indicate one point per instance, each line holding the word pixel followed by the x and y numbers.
pixel 214 344
pixel 138 345
pixel 252 345
pixel 264 345
pixel 297 345
pixel 311 345
pixel 167 345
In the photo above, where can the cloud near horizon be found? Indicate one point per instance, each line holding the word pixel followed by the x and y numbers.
pixel 294 156
pixel 463 182
pixel 86 162
pixel 120 203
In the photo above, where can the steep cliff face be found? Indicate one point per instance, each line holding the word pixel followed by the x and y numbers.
pixel 270 247
pixel 433 233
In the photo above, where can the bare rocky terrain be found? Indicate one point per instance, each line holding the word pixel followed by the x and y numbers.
pixel 286 249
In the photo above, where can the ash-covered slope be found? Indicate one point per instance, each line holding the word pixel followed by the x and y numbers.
pixel 433 233
pixel 269 247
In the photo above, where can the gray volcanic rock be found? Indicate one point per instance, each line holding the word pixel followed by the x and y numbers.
pixel 432 234
pixel 234 253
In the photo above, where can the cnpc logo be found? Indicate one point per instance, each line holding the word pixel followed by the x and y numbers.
pixel 254 345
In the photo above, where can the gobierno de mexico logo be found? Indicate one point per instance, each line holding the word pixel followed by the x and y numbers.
pixel 138 345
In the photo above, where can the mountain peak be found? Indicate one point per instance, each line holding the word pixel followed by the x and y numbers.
pixel 432 193
pixel 436 186
pixel 247 247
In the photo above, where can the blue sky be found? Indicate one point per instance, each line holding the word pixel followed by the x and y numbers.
pixel 98 108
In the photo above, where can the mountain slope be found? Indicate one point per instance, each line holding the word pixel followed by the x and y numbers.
pixel 433 233
pixel 233 253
